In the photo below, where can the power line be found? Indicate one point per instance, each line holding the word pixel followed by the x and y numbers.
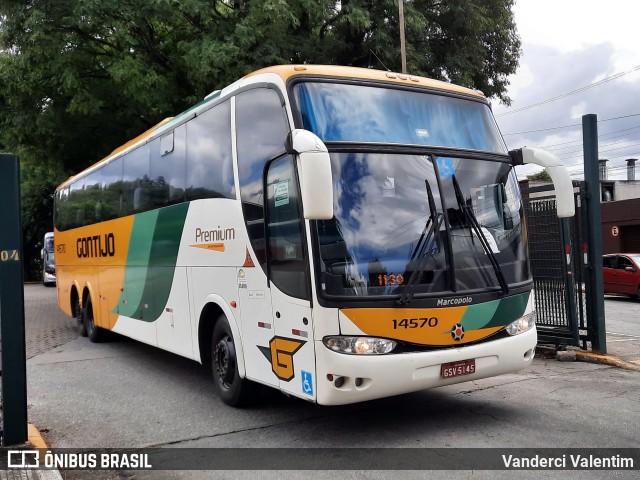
pixel 604 151
pixel 569 126
pixel 610 168
pixel 542 129
pixel 551 147
pixel 556 152
pixel 573 92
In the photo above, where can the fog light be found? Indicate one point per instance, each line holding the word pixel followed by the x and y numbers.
pixel 360 345
pixel 522 324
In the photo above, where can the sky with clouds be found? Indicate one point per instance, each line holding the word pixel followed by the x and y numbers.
pixel 567 45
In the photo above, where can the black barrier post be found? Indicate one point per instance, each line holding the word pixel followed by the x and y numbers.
pixel 12 334
pixel 595 295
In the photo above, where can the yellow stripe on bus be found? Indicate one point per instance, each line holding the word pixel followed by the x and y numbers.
pixel 424 326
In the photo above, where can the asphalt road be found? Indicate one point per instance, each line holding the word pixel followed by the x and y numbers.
pixel 126 394
pixel 622 315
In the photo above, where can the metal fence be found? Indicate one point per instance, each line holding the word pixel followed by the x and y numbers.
pixel 558 267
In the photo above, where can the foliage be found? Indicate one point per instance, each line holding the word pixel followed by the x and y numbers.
pixel 79 78
pixel 38 181
pixel 541 176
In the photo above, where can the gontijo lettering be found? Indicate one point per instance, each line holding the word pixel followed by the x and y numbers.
pixel 96 246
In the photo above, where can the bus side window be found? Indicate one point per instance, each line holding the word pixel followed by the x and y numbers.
pixel 209 159
pixel 76 208
pixel 135 181
pixel 61 219
pixel 93 197
pixel 262 127
pixel 112 189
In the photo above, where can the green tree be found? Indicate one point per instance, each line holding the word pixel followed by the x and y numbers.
pixel 78 78
pixel 541 176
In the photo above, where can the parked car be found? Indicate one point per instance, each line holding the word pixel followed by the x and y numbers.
pixel 621 273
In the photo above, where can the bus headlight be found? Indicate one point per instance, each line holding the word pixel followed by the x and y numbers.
pixel 522 324
pixel 360 345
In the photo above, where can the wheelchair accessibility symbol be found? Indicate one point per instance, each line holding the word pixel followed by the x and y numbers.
pixel 307 383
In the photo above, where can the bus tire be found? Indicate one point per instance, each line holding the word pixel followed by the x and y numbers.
pixel 94 332
pixel 78 312
pixel 231 389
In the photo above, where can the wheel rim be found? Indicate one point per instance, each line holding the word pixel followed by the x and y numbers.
pixel 89 323
pixel 77 311
pixel 224 360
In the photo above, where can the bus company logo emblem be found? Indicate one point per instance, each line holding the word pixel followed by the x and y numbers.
pixel 280 353
pixel 457 332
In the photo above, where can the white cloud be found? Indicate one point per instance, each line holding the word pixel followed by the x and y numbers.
pixel 569 44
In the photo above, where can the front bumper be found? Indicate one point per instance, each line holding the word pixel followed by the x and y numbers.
pixel 371 377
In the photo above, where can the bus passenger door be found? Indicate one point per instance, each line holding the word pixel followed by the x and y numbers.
pixel 292 347
pixel 254 300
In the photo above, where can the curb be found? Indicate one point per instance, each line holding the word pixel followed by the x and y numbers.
pixel 36 441
pixel 35 438
pixel 571 355
pixel 606 360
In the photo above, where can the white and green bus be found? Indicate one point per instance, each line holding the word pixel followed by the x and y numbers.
pixel 340 234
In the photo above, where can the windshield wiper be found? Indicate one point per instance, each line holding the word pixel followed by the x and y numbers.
pixel 473 222
pixel 422 248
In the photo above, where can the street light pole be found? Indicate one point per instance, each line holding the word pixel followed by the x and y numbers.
pixel 403 52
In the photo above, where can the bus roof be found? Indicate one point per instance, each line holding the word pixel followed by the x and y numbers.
pixel 287 72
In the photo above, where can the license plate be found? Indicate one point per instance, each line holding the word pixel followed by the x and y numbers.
pixel 456 369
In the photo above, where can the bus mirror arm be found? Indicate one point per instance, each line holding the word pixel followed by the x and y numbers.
pixel 559 175
pixel 314 170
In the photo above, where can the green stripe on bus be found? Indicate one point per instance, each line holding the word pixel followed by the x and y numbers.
pixel 151 261
pixel 140 242
pixel 510 309
pixel 495 313
pixel 164 256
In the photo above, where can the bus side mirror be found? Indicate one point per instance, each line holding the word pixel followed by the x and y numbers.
pixel 562 184
pixel 314 169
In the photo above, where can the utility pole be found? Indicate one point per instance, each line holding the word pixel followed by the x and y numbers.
pixel 595 300
pixel 403 50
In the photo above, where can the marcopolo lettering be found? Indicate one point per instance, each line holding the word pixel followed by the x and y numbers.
pixel 96 246
pixel 442 302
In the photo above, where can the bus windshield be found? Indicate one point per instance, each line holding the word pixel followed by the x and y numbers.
pixel 384 228
pixel 357 113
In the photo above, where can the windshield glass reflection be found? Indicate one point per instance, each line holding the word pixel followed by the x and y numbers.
pixel 381 215
pixel 357 113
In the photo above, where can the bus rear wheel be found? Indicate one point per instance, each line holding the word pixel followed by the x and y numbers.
pixel 94 332
pixel 78 312
pixel 229 386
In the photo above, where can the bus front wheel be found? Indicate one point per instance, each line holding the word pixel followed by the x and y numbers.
pixel 229 386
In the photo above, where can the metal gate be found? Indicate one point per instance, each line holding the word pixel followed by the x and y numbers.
pixel 559 267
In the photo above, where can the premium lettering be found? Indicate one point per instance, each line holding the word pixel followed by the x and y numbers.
pixel 216 235
pixel 96 246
